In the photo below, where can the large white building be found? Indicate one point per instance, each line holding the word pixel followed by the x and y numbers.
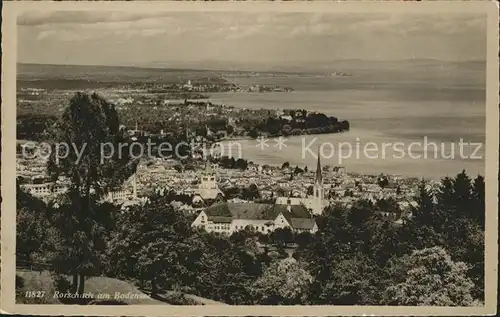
pixel 287 212
pixel 45 191
pixel 128 191
pixel 265 218
pixel 316 202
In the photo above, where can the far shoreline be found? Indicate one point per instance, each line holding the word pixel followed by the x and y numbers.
pixel 355 166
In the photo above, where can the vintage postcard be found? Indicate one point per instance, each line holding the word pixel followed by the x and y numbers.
pixel 253 158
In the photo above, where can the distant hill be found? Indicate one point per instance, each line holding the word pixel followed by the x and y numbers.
pixel 121 74
pixel 231 66
pixel 175 72
pixel 98 72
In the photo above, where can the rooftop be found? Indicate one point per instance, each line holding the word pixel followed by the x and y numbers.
pixel 252 211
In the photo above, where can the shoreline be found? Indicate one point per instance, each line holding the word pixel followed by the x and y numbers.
pixel 407 167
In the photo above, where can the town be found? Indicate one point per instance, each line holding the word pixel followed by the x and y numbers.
pixel 158 114
pixel 200 182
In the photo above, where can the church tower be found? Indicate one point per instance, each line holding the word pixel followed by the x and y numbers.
pixel 208 179
pixel 319 193
pixel 208 191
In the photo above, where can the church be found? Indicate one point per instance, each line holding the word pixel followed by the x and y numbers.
pixel 287 212
pixel 316 202
pixel 208 191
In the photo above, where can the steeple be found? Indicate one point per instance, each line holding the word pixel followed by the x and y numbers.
pixel 209 177
pixel 208 168
pixel 318 180
pixel 319 192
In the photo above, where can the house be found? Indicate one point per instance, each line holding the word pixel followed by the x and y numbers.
pixel 188 85
pixel 124 193
pixel 264 218
pixel 266 192
pixel 340 170
pixel 44 191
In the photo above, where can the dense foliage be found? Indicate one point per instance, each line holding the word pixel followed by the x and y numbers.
pixel 301 122
pixel 82 222
pixel 359 256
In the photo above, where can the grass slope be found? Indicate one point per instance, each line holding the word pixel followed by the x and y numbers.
pixel 44 281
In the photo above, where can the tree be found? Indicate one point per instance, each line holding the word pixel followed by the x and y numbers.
pixel 241 164
pixel 297 170
pixel 91 125
pixel 427 222
pixel 476 235
pixel 253 133
pixel 431 279
pixel 310 190
pixel 83 229
pixel 286 129
pixel 232 192
pixel 285 165
pixel 154 243
pixel 398 190
pixel 352 281
pixel 346 255
pixel 227 162
pixel 453 219
pixel 388 206
pixel 250 193
pixel 382 181
pixel 387 211
pixel 478 206
pixel 36 238
pixel 284 282
pixel 457 201
pixel 304 239
pixel 281 237
pixel 228 268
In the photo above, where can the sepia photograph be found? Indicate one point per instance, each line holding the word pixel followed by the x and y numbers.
pixel 273 155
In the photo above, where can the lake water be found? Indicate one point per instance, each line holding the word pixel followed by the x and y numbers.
pixel 414 108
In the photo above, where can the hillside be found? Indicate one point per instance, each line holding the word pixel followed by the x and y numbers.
pixel 33 280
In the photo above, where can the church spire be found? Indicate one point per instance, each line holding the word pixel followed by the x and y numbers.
pixel 319 176
pixel 208 167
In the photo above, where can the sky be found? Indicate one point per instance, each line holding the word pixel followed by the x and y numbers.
pixel 167 38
